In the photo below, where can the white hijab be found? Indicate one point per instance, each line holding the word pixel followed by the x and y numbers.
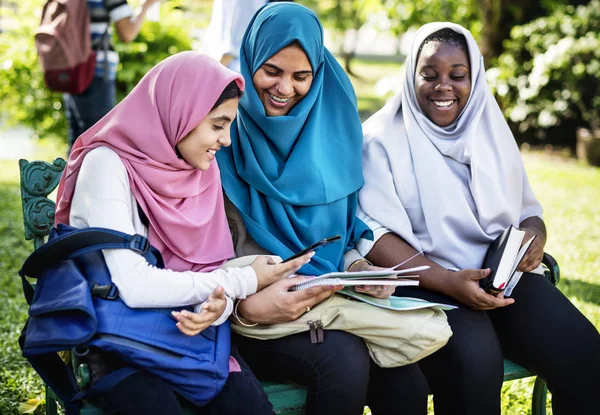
pixel 448 191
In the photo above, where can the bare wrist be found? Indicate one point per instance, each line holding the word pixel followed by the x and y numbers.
pixel 239 317
pixel 440 280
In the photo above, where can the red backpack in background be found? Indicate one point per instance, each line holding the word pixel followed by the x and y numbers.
pixel 64 46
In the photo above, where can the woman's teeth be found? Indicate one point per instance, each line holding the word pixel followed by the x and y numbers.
pixel 443 104
pixel 213 152
pixel 277 99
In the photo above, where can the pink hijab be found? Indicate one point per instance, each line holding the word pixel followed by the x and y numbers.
pixel 184 205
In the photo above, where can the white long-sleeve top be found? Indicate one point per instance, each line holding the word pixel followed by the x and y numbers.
pixel 103 198
pixel 226 29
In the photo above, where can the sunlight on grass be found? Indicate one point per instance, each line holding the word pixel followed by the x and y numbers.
pixel 570 194
pixel 370 75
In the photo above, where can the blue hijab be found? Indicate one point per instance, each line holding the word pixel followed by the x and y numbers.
pixel 295 178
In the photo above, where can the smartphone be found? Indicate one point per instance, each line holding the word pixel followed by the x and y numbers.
pixel 313 247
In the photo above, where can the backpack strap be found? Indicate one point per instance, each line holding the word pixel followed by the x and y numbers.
pixel 74 111
pixel 57 375
pixel 60 378
pixel 108 382
pixel 105 43
pixel 82 241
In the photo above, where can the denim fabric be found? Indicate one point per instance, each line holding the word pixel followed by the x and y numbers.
pixel 93 104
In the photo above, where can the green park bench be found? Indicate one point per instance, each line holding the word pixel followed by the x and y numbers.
pixel 39 179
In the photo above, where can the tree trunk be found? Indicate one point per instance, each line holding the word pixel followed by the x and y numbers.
pixel 348 56
pixel 491 15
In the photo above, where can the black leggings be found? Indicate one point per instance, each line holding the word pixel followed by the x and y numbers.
pixel 143 393
pixel 541 331
pixel 340 376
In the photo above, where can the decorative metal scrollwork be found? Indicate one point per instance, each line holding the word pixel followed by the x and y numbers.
pixel 38 214
pixel 38 180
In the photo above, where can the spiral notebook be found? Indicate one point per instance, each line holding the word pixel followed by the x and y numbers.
pixel 388 276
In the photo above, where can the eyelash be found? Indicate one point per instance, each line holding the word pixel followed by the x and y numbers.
pixel 217 127
pixel 297 78
pixel 432 78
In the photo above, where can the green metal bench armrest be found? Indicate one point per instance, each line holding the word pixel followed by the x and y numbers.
pixel 38 180
pixel 553 270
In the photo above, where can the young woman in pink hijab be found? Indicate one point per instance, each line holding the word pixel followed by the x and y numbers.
pixel 148 167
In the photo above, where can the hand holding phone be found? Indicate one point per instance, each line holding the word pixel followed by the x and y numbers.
pixel 314 247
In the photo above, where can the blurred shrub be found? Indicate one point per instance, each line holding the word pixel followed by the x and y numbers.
pixel 26 101
pixel 155 42
pixel 548 74
pixel 23 97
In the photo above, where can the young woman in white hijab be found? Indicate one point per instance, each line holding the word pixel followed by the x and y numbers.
pixel 443 175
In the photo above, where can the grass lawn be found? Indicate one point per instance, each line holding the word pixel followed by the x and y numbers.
pixel 374 84
pixel 568 190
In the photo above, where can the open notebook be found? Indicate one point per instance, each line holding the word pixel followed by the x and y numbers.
pixel 388 276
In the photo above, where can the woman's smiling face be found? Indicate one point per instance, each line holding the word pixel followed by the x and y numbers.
pixel 201 144
pixel 283 80
pixel 442 81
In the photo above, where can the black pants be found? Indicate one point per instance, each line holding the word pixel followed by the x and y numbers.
pixel 541 331
pixel 340 376
pixel 143 393
pixel 93 104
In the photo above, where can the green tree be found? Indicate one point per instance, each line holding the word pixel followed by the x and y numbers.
pixel 490 21
pixel 23 96
pixel 342 16
pixel 548 74
pixel 24 100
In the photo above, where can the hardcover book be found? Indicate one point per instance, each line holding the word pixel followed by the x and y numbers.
pixel 502 258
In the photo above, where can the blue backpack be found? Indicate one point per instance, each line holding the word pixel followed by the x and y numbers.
pixel 75 305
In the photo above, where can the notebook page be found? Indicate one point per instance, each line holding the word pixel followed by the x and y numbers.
pixel 352 282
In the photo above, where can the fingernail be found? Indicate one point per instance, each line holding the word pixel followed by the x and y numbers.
pixel 174 313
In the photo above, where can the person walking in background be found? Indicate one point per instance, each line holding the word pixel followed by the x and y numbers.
pixel 86 109
pixel 226 29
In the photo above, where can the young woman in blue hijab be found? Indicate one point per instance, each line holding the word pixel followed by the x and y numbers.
pixel 291 177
